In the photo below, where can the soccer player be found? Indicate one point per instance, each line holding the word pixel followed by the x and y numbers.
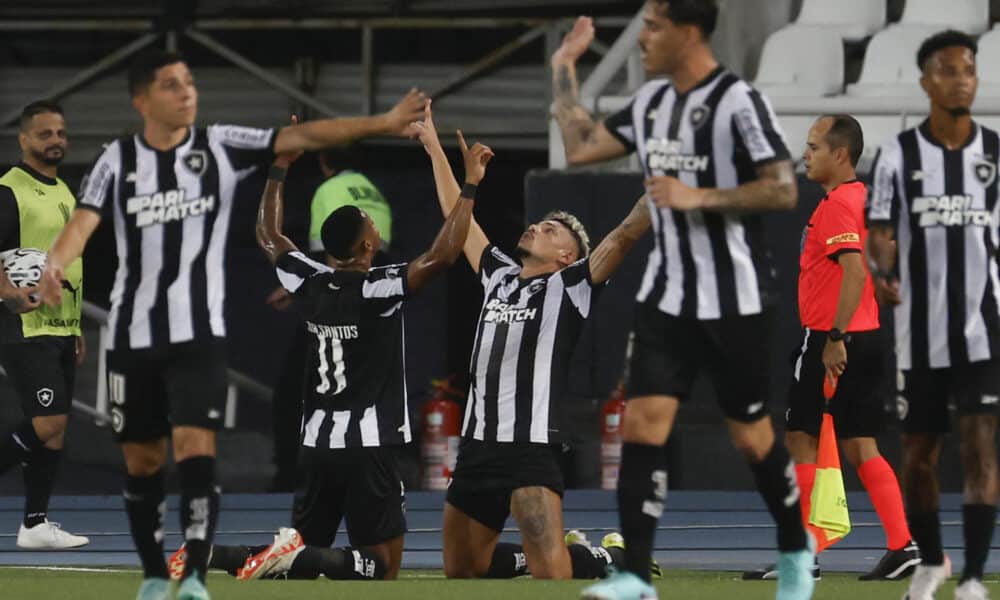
pixel 40 346
pixel 356 405
pixel 714 159
pixel 841 342
pixel 169 191
pixel 933 219
pixel 532 314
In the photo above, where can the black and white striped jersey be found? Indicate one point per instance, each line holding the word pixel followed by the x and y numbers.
pixel 943 206
pixel 171 212
pixel 528 329
pixel 356 379
pixel 704 265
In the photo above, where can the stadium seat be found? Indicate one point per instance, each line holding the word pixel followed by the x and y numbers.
pixel 988 61
pixel 970 16
pixel 852 19
pixel 890 67
pixel 800 60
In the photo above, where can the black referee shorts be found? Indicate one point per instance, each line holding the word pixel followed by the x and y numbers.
pixel 361 486
pixel 856 407
pixel 925 396
pixel 668 352
pixel 152 390
pixel 487 473
pixel 42 371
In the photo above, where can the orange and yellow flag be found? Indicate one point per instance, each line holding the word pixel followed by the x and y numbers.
pixel 829 520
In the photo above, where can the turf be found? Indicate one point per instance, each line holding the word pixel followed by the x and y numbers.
pixel 35 584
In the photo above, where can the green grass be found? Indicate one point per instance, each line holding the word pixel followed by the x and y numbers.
pixel 37 584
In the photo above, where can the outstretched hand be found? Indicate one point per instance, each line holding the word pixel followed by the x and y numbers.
pixel 425 130
pixel 475 159
pixel 409 109
pixel 285 159
pixel 575 43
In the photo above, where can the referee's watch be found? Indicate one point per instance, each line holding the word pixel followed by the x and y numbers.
pixel 836 335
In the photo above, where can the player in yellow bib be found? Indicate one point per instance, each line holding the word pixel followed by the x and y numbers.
pixel 40 346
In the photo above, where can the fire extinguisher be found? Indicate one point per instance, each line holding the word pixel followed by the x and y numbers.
pixel 611 437
pixel 440 418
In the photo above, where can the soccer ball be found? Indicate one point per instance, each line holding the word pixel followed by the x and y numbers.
pixel 24 266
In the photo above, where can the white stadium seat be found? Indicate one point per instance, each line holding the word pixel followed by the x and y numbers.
pixel 890 67
pixel 852 19
pixel 970 16
pixel 800 60
pixel 988 63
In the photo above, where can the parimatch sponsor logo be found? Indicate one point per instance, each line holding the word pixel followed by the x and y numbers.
pixel 663 155
pixel 950 211
pixel 166 207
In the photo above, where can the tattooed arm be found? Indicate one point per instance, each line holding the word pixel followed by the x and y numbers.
pixel 613 248
pixel 774 189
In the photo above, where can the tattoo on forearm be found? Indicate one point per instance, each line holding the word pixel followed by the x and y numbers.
pixel 575 122
pixel 774 189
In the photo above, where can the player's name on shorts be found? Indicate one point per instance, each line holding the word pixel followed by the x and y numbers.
pixel 948 210
pixel 336 332
pixel 168 206
pixel 500 312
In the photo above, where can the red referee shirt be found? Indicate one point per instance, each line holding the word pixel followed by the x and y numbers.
pixel 836 226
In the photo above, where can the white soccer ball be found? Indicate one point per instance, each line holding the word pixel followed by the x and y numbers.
pixel 24 266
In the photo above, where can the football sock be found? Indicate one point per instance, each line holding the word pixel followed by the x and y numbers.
pixel 926 528
pixel 18 446
pixel 39 478
pixel 589 563
pixel 145 505
pixel 199 511
pixel 883 490
pixel 776 483
pixel 336 563
pixel 977 525
pixel 642 488
pixel 508 561
pixel 806 475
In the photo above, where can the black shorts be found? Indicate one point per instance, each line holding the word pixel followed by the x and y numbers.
pixel 152 390
pixel 668 352
pixel 487 473
pixel 856 407
pixel 42 371
pixel 362 486
pixel 924 396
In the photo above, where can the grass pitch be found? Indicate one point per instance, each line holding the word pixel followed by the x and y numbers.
pixel 19 583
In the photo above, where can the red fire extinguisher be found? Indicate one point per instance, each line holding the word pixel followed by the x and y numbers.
pixel 440 418
pixel 611 437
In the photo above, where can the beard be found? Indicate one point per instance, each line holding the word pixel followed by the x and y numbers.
pixel 50 160
pixel 521 253
pixel 959 111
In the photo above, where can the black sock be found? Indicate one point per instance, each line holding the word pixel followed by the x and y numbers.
pixel 199 511
pixel 18 446
pixel 145 505
pixel 642 488
pixel 926 530
pixel 337 563
pixel 775 479
pixel 229 558
pixel 508 562
pixel 39 479
pixel 589 563
pixel 977 524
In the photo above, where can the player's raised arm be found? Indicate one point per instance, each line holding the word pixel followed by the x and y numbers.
pixel 270 215
pixel 613 248
pixel 332 132
pixel 447 186
pixel 454 233
pixel 586 141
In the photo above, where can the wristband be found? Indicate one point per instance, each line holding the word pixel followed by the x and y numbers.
pixel 836 335
pixel 277 173
pixel 469 190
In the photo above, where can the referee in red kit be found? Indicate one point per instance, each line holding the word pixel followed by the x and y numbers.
pixel 839 316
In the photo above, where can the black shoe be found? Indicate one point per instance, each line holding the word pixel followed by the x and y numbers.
pixel 895 564
pixel 770 572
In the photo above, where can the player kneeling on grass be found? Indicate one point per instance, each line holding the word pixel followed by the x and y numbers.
pixel 355 409
pixel 531 319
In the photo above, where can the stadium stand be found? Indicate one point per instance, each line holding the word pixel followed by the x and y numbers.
pixel 802 60
pixel 971 16
pixel 852 19
pixel 889 66
pixel 989 58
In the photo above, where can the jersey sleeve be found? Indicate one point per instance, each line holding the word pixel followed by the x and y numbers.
pixel 10 221
pixel 492 264
pixel 386 283
pixel 246 147
pixel 839 229
pixel 884 198
pixel 621 126
pixel 97 186
pixel 756 127
pixel 295 268
pixel 579 287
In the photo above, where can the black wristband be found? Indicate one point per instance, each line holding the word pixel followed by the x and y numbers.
pixel 836 335
pixel 469 190
pixel 277 173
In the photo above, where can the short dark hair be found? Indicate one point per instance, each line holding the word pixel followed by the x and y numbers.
pixel 948 38
pixel 36 108
pixel 702 13
pixel 142 71
pixel 341 230
pixel 845 132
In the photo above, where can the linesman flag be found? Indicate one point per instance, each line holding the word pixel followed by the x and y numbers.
pixel 829 520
